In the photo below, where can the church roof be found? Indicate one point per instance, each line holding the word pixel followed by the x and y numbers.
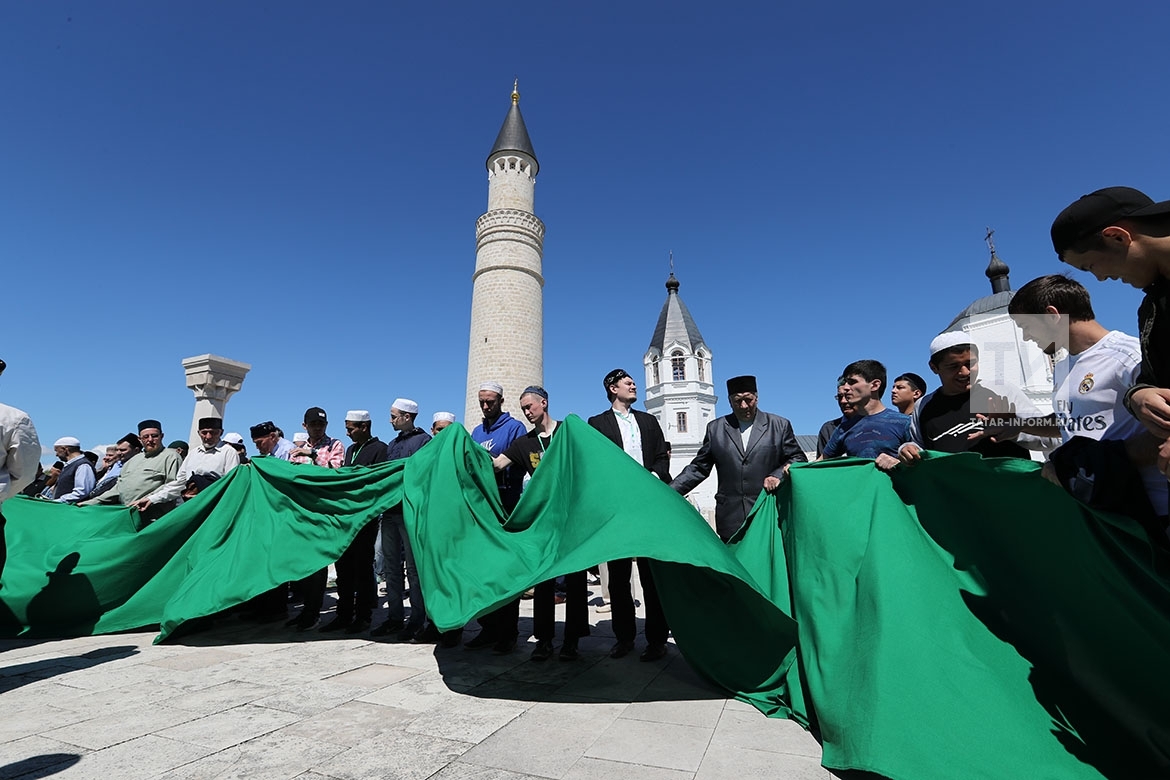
pixel 996 303
pixel 675 323
pixel 513 135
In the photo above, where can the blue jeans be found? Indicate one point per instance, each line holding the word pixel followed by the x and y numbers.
pixel 396 550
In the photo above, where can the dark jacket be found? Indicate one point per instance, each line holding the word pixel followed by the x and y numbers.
pixel 1154 333
pixel 654 454
pixel 772 446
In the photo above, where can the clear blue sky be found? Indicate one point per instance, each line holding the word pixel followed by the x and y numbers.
pixel 295 185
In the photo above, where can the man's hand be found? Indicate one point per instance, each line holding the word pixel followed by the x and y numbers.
pixel 1164 457
pixel 910 453
pixel 886 462
pixel 771 483
pixel 141 504
pixel 1048 471
pixel 1151 405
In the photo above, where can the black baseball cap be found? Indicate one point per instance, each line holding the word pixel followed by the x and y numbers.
pixel 1099 210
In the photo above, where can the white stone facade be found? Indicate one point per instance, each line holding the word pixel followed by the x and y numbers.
pixel 507 300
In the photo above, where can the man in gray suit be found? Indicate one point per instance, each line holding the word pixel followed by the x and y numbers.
pixel 752 450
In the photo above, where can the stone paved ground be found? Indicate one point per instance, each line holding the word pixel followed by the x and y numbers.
pixel 246 701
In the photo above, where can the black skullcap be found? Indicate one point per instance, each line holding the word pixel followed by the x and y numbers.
pixel 741 384
pixel 315 414
pixel 536 390
pixel 214 423
pixel 613 377
pixel 263 429
pixel 918 382
pixel 142 426
pixel 131 439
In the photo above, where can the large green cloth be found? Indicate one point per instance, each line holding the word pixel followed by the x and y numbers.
pixel 962 619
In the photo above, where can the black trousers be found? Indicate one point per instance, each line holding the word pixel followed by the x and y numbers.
pixel 576 608
pixel 312 590
pixel 621 599
pixel 357 589
pixel 502 623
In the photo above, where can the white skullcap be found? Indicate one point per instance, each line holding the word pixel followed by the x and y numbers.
pixel 357 415
pixel 443 417
pixel 300 437
pixel 405 405
pixel 233 438
pixel 495 387
pixel 952 338
pixel 67 441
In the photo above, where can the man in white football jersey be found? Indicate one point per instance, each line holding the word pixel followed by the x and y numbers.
pixel 1091 380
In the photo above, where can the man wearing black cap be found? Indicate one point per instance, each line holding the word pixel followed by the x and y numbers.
pixel 526 452
pixel 640 436
pixel 1121 233
pixel 906 390
pixel 145 473
pixel 211 457
pixel 751 451
pixel 270 442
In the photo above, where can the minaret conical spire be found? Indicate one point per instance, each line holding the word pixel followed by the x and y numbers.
pixel 513 135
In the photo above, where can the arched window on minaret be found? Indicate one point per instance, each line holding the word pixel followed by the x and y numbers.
pixel 657 375
pixel 678 366
pixel 702 368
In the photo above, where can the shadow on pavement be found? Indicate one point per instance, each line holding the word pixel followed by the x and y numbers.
pixel 13 677
pixel 38 766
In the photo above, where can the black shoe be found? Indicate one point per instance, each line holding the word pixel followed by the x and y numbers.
pixel 543 650
pixel 336 624
pixel 429 635
pixel 292 621
pixel 358 627
pixel 569 650
pixel 653 652
pixel 621 649
pixel 504 646
pixel 407 633
pixel 387 628
pixel 306 622
pixel 480 641
pixel 452 638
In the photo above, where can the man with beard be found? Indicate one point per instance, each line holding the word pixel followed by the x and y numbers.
pixel 77 477
pixel 212 456
pixel 144 473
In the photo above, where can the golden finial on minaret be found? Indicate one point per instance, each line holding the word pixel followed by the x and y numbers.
pixel 515 91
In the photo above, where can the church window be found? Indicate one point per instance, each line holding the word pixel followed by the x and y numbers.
pixel 678 366
pixel 702 370
pixel 654 364
pixel 681 422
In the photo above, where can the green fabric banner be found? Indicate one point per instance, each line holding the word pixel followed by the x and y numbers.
pixel 962 619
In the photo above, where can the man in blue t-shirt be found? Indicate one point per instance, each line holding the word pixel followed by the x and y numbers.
pixel 870 430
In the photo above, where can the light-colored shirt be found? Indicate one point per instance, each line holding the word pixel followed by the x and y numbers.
pixel 282 450
pixel 141 475
pixel 219 459
pixel 745 432
pixel 83 482
pixel 631 434
pixel 20 451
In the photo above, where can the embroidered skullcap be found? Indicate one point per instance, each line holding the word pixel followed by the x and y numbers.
pixel 535 390
pixel 952 338
pixel 405 405
pixel 443 417
pixel 494 387
pixel 262 429
pixel 357 415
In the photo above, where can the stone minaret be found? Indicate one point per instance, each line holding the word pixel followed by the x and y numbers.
pixel 507 308
pixel 680 388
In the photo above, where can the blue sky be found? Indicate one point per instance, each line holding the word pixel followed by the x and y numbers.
pixel 295 185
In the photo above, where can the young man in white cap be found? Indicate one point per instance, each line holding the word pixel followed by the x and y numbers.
pixel 640 436
pixel 20 454
pixel 499 629
pixel 526 453
pixel 441 420
pixel 950 419
pixel 77 478
pixel 396 548
pixel 357 590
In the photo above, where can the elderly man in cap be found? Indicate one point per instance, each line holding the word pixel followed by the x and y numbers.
pixel 1121 233
pixel 212 458
pixel 20 454
pixel 357 590
pixel 526 453
pixel 396 547
pixel 77 477
pixel 750 449
pixel 499 629
pixel 269 441
pixel 639 435
pixel 144 473
pixel 952 418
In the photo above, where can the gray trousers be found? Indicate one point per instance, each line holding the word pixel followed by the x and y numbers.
pixel 396 550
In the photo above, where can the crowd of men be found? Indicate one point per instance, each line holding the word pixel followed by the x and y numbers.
pixel 1107 441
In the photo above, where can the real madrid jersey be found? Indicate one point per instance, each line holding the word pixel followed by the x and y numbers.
pixel 1089 390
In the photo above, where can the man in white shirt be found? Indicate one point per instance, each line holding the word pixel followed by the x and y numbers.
pixel 20 453
pixel 1056 313
pixel 212 456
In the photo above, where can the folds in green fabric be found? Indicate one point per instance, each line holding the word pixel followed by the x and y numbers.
pixel 962 619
